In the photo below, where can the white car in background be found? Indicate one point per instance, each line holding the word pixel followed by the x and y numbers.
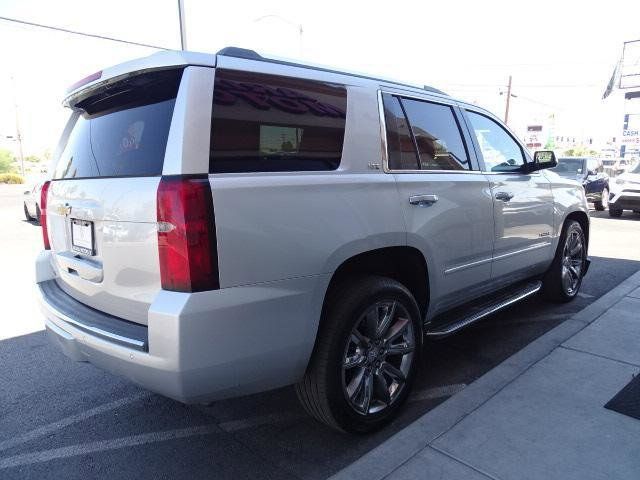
pixel 625 192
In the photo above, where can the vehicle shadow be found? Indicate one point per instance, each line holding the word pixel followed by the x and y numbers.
pixel 626 215
pixel 75 407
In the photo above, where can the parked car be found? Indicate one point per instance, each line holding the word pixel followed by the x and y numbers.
pixel 625 192
pixel 219 225
pixel 615 166
pixel 590 173
pixel 31 203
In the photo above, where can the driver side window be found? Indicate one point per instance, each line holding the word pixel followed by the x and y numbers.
pixel 500 151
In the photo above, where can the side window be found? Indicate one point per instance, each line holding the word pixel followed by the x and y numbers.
pixel 268 123
pixel 437 135
pixel 500 151
pixel 594 165
pixel 400 148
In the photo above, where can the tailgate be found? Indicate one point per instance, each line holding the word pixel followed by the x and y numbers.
pixel 101 210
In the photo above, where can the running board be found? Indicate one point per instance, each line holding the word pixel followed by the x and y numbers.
pixel 480 309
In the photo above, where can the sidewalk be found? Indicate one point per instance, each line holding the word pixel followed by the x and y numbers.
pixel 538 415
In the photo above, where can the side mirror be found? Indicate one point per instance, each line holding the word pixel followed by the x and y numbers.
pixel 543 159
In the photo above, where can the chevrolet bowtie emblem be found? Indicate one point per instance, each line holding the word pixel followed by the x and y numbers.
pixel 64 209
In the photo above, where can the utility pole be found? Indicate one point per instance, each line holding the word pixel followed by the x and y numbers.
pixel 506 111
pixel 183 27
pixel 18 134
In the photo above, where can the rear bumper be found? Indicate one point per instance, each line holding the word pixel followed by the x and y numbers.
pixel 198 347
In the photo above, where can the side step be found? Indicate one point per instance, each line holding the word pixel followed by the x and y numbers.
pixel 451 322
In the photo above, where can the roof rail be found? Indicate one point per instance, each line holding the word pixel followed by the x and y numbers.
pixel 249 54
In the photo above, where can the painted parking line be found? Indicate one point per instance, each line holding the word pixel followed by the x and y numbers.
pixel 65 422
pixel 104 445
pixel 437 392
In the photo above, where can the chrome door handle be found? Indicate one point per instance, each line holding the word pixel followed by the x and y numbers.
pixel 504 196
pixel 423 200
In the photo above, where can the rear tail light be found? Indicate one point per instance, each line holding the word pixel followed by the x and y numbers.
pixel 186 234
pixel 43 214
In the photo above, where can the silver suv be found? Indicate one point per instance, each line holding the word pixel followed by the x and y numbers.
pixel 218 225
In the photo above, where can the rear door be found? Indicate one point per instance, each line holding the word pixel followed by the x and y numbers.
pixel 445 200
pixel 102 199
pixel 523 202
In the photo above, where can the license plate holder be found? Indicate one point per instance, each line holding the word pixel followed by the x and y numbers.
pixel 82 237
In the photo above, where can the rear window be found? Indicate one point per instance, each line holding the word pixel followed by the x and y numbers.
pixel 268 123
pixel 122 129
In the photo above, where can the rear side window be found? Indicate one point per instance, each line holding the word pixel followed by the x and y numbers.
pixel 122 129
pixel 437 135
pixel 268 123
pixel 423 135
pixel 400 148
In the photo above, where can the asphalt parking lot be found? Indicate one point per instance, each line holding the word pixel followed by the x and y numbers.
pixel 60 419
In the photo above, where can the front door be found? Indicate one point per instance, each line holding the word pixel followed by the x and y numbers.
pixel 446 202
pixel 523 203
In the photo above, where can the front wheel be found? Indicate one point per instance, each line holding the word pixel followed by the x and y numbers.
pixel 615 212
pixel 365 358
pixel 563 279
pixel 603 203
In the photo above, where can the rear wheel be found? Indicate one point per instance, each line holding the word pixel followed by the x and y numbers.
pixel 26 213
pixel 563 279
pixel 603 203
pixel 615 212
pixel 365 357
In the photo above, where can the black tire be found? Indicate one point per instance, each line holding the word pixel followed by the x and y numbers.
pixel 553 287
pixel 615 212
pixel 604 202
pixel 322 391
pixel 26 212
pixel 38 214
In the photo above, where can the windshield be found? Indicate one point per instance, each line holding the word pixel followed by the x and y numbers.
pixel 569 166
pixel 635 169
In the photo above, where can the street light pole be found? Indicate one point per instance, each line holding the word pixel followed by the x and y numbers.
pixel 183 27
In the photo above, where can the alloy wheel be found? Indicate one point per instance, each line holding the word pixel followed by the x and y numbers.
pixel 572 262
pixel 378 357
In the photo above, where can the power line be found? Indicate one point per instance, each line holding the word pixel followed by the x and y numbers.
pixel 65 30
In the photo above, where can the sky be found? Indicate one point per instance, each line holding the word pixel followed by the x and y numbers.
pixel 560 54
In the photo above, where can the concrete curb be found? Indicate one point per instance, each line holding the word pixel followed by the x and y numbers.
pixel 395 451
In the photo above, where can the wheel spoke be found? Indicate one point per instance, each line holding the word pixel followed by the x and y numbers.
pixel 381 388
pixel 353 361
pixel 359 339
pixel 367 392
pixel 386 320
pixel 574 272
pixel 393 372
pixel 566 278
pixel 396 330
pixel 356 384
pixel 400 349
pixel 575 249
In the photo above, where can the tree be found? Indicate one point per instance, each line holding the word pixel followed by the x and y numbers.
pixel 580 152
pixel 6 161
pixel 32 159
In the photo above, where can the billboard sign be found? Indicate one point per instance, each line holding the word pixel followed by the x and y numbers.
pixel 630 65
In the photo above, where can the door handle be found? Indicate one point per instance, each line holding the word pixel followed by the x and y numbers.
pixel 504 196
pixel 423 200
